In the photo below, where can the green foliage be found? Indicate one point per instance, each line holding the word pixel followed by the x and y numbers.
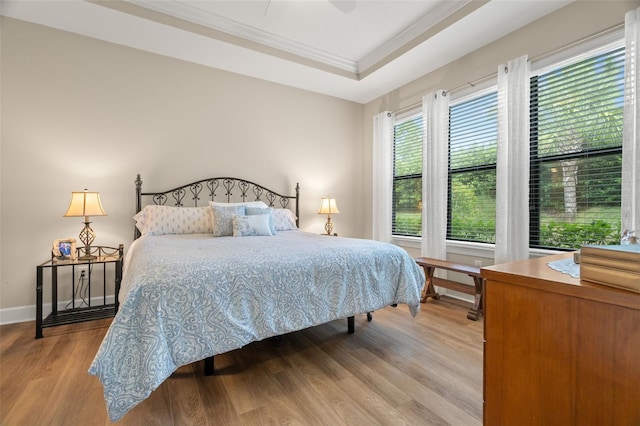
pixel 407 172
pixel 473 206
pixel 407 151
pixel 593 187
pixel 407 195
pixel 408 223
pixel 574 235
pixel 473 229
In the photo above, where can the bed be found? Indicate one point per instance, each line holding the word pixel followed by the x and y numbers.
pixel 192 289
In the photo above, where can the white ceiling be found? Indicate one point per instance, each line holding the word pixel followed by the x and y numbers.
pixel 352 49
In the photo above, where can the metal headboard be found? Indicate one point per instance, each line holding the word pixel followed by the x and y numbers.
pixel 247 191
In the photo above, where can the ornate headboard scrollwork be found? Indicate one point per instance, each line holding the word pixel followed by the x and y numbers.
pixel 221 189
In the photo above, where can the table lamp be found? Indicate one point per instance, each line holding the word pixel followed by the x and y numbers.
pixel 328 207
pixel 85 204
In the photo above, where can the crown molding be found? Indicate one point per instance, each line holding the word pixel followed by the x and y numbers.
pixel 207 19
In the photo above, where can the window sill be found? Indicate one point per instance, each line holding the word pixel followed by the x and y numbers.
pixel 465 248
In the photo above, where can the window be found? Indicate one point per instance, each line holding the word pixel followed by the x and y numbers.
pixel 407 176
pixel 473 134
pixel 576 153
pixel 576 114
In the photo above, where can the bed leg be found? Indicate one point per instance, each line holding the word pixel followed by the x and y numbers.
pixel 208 366
pixel 351 325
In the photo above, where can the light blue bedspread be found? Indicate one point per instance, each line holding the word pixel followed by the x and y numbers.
pixel 187 297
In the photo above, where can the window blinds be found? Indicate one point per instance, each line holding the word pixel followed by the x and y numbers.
pixel 407 177
pixel 576 153
pixel 472 169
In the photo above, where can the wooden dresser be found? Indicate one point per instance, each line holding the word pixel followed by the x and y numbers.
pixel 558 351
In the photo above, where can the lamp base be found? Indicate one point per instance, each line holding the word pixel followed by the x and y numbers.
pixel 87 236
pixel 328 227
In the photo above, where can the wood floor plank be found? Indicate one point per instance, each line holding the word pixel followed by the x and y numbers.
pixel 311 406
pixel 156 409
pixel 22 411
pixel 395 370
pixel 279 412
pixel 416 413
pixel 312 365
pixel 310 358
pixel 187 407
pixel 377 407
pixel 216 400
pixel 450 381
pixel 10 333
pixel 252 387
pixel 390 391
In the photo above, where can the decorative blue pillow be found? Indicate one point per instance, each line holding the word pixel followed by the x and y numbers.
pixel 251 211
pixel 245 226
pixel 222 217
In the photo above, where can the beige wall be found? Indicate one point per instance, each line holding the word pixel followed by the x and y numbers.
pixel 80 113
pixel 563 28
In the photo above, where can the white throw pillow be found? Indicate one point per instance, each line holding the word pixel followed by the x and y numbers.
pixel 250 211
pixel 245 226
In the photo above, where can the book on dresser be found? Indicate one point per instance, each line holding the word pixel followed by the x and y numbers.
pixel 615 265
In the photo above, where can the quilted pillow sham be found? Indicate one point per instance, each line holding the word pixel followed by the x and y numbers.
pixel 284 220
pixel 164 220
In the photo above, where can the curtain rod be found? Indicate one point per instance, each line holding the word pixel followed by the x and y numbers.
pixel 537 58
pixel 468 84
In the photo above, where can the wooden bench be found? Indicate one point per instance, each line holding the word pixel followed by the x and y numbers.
pixel 430 265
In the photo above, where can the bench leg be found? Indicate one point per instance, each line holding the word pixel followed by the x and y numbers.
pixel 428 290
pixel 476 311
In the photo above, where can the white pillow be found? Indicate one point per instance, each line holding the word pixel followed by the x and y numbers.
pixel 222 217
pixel 284 220
pixel 250 211
pixel 162 220
pixel 247 204
pixel 245 226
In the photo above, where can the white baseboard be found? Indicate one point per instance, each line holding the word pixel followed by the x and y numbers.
pixel 19 314
pixel 28 313
pixel 456 295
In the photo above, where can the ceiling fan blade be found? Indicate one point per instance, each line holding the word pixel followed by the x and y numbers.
pixel 345 6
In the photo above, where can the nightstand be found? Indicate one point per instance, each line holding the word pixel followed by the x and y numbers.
pixel 105 268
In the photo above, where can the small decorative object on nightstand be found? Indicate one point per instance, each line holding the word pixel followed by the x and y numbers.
pixel 108 264
pixel 328 207
pixel 85 204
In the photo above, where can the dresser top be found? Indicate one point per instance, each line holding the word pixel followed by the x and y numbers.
pixel 536 273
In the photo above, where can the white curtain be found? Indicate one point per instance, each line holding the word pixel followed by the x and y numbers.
pixel 435 110
pixel 512 168
pixel 382 175
pixel 630 149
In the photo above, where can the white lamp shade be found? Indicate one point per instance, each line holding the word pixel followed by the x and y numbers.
pixel 85 204
pixel 328 206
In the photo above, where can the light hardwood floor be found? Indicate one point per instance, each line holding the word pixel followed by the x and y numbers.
pixel 394 370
